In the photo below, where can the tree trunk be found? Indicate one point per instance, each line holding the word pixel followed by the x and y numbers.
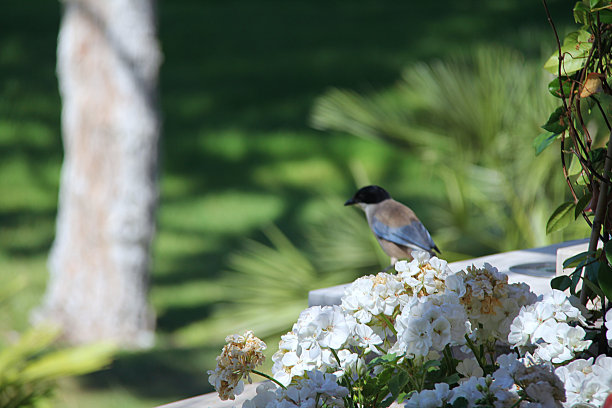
pixel 107 63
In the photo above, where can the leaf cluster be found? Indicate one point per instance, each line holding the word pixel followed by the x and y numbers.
pixel 30 366
pixel 582 65
pixel 398 378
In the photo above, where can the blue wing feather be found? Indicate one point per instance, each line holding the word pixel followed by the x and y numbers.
pixel 412 235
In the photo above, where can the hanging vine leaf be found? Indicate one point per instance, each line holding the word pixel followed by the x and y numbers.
pixel 555 89
pixel 575 50
pixel 561 217
pixel 575 166
pixel 556 122
pixel 543 141
pixel 561 282
pixel 605 272
pixel 582 203
pixel 605 16
pixel 582 13
pixel 592 85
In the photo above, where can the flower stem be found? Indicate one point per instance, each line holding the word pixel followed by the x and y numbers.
pixel 388 323
pixel 274 380
pixel 479 355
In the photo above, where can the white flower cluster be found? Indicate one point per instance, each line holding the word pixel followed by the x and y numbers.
pixel 240 356
pixel 424 275
pixel 587 382
pixel 415 315
pixel 308 346
pixel 316 389
pixel 428 324
pixel 543 328
pixel 517 383
pixel 491 303
pixel 374 295
pixel 371 297
pixel 535 382
pixel 472 390
pixel 408 313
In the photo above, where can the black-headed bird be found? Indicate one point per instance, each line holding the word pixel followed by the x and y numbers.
pixel 396 227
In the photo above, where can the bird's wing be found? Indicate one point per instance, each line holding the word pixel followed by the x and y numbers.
pixel 413 234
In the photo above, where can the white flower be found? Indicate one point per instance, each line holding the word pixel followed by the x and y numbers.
pixel 265 395
pixel 350 364
pixel 609 327
pixel 316 389
pixel 424 275
pixel 491 303
pixel 508 365
pixel 373 295
pixel 469 368
pixel 543 327
pixel 519 334
pixel 564 341
pixel 565 308
pixel 469 390
pixel 334 330
pixel 440 333
pixel 365 337
pixel 416 338
pixel 429 398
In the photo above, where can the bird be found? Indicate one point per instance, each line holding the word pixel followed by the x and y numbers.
pixel 396 227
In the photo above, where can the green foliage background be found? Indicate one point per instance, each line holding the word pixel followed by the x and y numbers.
pixel 240 161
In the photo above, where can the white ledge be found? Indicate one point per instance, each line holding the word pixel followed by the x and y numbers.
pixel 505 262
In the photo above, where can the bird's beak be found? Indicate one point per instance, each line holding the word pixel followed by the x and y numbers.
pixel 350 201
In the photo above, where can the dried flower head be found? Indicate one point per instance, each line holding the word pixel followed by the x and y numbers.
pixel 240 356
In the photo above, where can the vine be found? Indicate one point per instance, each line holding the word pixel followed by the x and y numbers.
pixel 582 66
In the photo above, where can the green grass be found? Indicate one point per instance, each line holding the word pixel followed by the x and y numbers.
pixel 237 85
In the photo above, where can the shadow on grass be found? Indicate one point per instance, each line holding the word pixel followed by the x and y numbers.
pixel 177 317
pixel 168 375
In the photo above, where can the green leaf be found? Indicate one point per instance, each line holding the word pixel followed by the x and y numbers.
pixel 605 16
pixel 582 203
pixel 543 141
pixel 561 282
pixel 398 382
pixel 594 4
pixel 432 365
pixel 385 359
pixel 582 13
pixel 605 275
pixel 575 50
pixel 554 88
pixel 608 251
pixel 557 121
pixel 575 166
pixel 71 361
pixel 594 287
pixel 452 379
pixel 461 402
pixel 597 158
pixel 561 217
pixel 576 275
pixel 591 269
pixel 575 260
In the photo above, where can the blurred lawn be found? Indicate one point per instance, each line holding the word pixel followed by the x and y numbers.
pixel 237 84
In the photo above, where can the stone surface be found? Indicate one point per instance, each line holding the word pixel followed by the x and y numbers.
pixel 212 400
pixel 505 262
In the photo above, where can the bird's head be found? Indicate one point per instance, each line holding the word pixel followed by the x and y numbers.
pixel 369 195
